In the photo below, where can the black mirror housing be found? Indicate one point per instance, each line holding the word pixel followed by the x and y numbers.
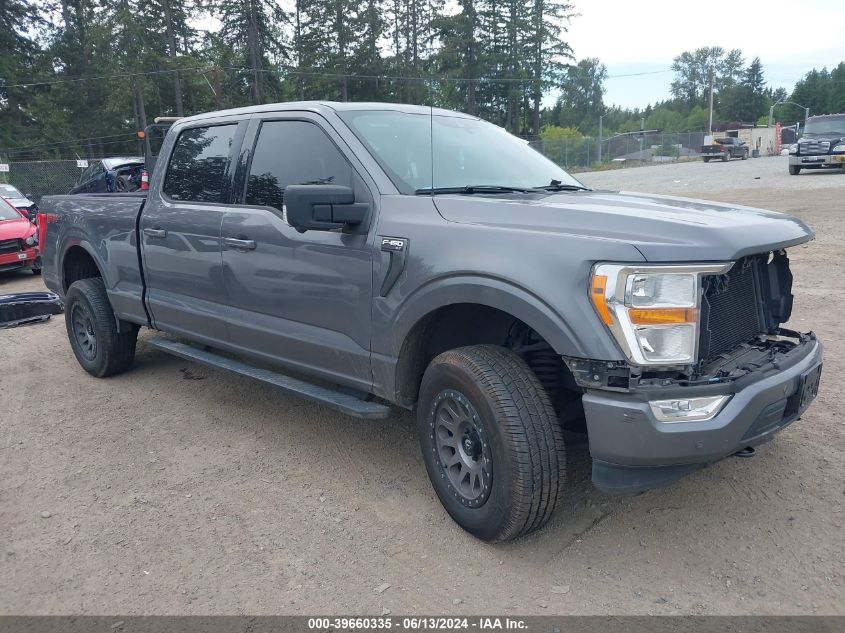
pixel 322 207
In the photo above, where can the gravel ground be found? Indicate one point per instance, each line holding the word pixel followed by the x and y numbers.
pixel 175 489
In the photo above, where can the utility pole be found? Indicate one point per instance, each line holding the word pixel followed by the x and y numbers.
pixel 710 87
pixel 601 116
pixel 642 136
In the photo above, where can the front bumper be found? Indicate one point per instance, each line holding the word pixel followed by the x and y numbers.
pixel 820 160
pixel 21 259
pixel 632 451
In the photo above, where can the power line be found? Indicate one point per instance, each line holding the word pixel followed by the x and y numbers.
pixel 70 141
pixel 316 73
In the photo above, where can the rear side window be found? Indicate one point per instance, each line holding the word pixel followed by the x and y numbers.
pixel 293 153
pixel 197 169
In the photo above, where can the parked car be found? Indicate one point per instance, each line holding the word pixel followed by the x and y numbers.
pixel 822 145
pixel 22 203
pixel 430 260
pixel 724 149
pixel 18 241
pixel 111 175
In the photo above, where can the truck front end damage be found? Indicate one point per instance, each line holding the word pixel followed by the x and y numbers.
pixel 732 376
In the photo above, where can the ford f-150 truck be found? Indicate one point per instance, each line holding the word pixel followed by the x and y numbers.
pixel 821 145
pixel 368 255
pixel 724 149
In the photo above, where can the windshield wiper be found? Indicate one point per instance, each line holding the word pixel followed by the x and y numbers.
pixel 557 185
pixel 471 189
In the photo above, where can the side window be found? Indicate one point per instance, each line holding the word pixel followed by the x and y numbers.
pixel 197 168
pixel 293 153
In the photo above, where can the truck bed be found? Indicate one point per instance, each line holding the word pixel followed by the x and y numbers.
pixel 113 218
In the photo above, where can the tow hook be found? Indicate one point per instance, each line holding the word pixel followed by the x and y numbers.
pixel 748 451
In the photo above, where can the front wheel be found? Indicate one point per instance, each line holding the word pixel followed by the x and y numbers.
pixel 98 345
pixel 794 170
pixel 491 442
pixel 745 155
pixel 725 157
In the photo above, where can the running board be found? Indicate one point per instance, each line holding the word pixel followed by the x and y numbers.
pixel 343 402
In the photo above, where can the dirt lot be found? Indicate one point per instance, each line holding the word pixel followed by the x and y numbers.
pixel 177 489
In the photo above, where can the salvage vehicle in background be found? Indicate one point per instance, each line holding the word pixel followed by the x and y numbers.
pixel 18 241
pixel 822 145
pixel 19 201
pixel 380 254
pixel 111 175
pixel 724 149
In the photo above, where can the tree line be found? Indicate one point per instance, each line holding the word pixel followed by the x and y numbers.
pixel 80 77
pixel 96 69
pixel 741 96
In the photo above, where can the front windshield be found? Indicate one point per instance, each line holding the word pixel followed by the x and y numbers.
pixel 467 152
pixel 8 212
pixel 827 125
pixel 8 191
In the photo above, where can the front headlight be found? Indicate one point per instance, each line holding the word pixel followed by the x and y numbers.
pixel 793 149
pixel 652 311
pixel 32 240
pixel 839 148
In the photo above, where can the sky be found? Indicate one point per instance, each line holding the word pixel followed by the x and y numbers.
pixel 790 37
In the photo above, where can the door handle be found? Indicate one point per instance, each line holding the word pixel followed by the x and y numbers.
pixel 239 244
pixel 159 233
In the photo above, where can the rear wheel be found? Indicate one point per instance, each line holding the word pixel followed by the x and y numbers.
pixel 706 159
pixel 794 170
pixel 99 347
pixel 491 442
pixel 725 157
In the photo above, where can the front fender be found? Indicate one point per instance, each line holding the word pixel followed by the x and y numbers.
pixel 494 293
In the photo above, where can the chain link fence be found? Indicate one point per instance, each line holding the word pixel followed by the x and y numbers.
pixel 582 153
pixel 39 178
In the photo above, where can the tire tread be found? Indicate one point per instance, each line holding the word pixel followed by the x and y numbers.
pixel 529 424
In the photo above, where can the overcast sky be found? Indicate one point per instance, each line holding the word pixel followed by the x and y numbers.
pixel 790 37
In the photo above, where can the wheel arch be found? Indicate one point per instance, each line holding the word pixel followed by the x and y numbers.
pixel 78 261
pixel 467 311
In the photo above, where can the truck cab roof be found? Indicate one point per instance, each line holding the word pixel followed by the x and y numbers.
pixel 325 107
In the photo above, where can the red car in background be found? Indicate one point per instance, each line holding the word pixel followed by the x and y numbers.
pixel 18 241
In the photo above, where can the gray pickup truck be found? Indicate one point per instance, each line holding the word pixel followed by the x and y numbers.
pixel 724 149
pixel 369 255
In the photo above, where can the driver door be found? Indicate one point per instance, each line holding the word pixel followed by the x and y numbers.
pixel 302 300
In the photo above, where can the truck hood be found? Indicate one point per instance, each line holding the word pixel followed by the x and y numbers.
pixel 662 228
pixel 833 137
pixel 17 229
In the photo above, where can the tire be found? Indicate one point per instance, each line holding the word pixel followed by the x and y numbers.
pixel 92 329
pixel 482 407
pixel 794 170
pixel 36 270
pixel 706 159
pixel 745 155
pixel 725 157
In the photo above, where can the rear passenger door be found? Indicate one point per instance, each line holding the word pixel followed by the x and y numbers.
pixel 299 299
pixel 180 233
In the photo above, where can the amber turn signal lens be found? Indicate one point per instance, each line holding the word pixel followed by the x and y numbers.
pixel 599 299
pixel 141 134
pixel 661 316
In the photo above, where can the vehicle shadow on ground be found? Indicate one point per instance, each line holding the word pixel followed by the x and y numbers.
pixel 581 508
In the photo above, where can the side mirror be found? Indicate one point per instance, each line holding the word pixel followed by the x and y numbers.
pixel 322 207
